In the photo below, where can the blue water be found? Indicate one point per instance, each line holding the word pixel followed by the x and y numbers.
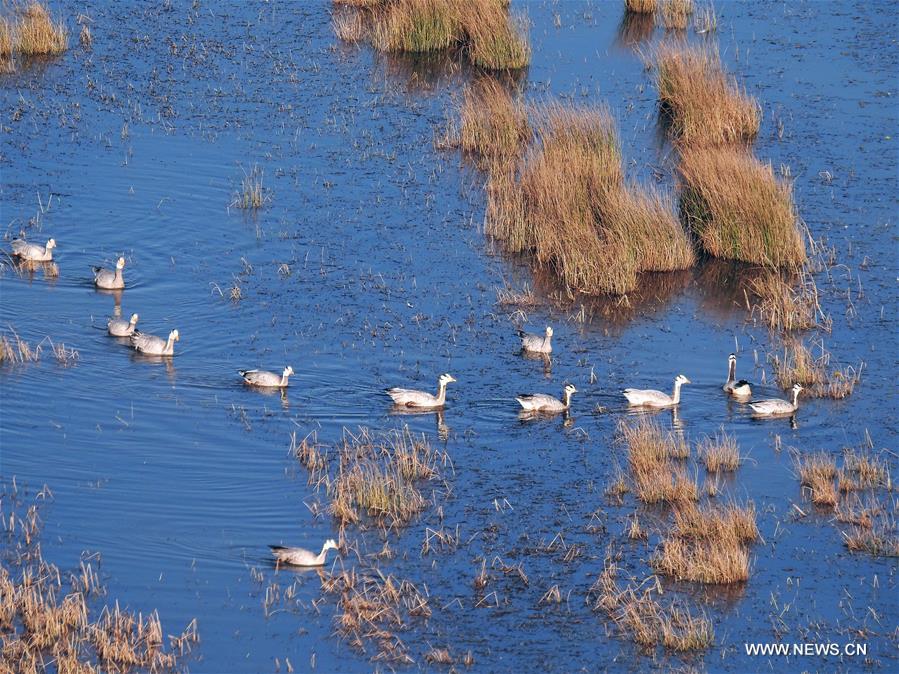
pixel 180 477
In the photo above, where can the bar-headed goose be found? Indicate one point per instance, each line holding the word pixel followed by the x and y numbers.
pixel 301 556
pixel 266 379
pixel 153 345
pixel 422 399
pixel 109 279
pixel 32 251
pixel 119 327
pixel 657 399
pixel 738 389
pixel 537 343
pixel 775 407
pixel 541 402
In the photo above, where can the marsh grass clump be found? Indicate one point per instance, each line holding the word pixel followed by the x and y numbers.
pixel 252 194
pixel 881 539
pixel 716 522
pixel 676 14
pixel 6 45
pixel 864 471
pixel 783 304
pixel 640 6
pixel 701 103
pixel 640 617
pixel 36 33
pixel 14 350
pixel 738 210
pixel 816 475
pixel 481 31
pixel 799 365
pixel 656 477
pixel 493 124
pixel 720 453
pixel 567 203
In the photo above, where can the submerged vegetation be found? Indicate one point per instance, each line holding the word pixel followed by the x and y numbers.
pixel 481 31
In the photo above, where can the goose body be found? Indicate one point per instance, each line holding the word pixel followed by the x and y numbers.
pixel 737 389
pixel 405 397
pixel 655 399
pixel 301 556
pixel 109 279
pixel 541 402
pixel 537 343
pixel 775 407
pixel 153 345
pixel 33 251
pixel 119 327
pixel 266 379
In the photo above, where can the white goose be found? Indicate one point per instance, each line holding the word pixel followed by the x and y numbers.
pixel 537 343
pixel 301 556
pixel 738 389
pixel 153 345
pixel 541 402
pixel 266 379
pixel 108 279
pixel 775 407
pixel 119 327
pixel 653 398
pixel 422 399
pixel 33 251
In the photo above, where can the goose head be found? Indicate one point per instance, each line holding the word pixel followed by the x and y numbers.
pixel 134 319
pixel 445 379
pixel 732 359
pixel 797 388
pixel 549 331
pixel 681 379
pixel 173 335
pixel 51 244
pixel 120 263
pixel 330 544
pixel 287 371
pixel 569 389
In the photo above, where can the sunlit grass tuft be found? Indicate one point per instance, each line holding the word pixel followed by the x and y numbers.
pixel 676 13
pixel 37 33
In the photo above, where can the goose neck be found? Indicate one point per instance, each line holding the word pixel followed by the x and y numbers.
pixel 731 371
pixel 441 393
pixel 676 395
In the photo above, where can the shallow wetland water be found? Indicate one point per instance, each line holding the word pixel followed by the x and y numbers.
pixel 368 267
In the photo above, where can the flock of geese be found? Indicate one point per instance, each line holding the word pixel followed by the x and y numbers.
pixel 531 403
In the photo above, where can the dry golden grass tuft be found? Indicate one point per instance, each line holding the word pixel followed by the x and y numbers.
pixel 738 210
pixel 6 45
pixel 782 305
pixel 704 106
pixel 720 453
pixel 14 350
pixel 816 474
pixel 493 124
pixel 640 6
pixel 676 14
pixel 880 539
pixel 798 365
pixel 865 471
pixel 481 30
pixel 251 195
pixel 644 620
pixel 567 203
pixel 656 477
pixel 36 33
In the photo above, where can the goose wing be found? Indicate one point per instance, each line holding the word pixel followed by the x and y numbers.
pixel 771 406
pixel 147 343
pixel 650 397
pixel 531 342
pixel 411 397
pixel 28 251
pixel 260 377
pixel 539 401
pixel 294 556
pixel 119 328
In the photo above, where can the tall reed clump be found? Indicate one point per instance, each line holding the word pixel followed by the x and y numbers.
pixel 652 455
pixel 676 13
pixel 816 475
pixel 640 6
pixel 568 204
pixel 480 30
pixel 704 106
pixel 799 366
pixel 738 210
pixel 786 302
pixel 37 33
pixel 6 45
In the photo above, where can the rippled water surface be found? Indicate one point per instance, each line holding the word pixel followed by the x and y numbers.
pixel 368 268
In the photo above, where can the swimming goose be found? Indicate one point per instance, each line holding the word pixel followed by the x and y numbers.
pixel 541 402
pixel 422 399
pixel 153 345
pixel 302 557
pixel 537 343
pixel 738 389
pixel 119 327
pixel 33 251
pixel 775 407
pixel 265 378
pixel 108 279
pixel 657 399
